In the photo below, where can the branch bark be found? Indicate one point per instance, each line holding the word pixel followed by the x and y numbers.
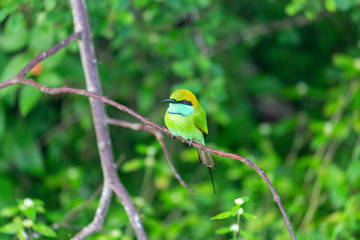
pixel 146 121
pixel 81 24
pixel 99 218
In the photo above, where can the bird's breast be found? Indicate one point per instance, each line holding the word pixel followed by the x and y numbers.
pixel 183 125
pixel 180 109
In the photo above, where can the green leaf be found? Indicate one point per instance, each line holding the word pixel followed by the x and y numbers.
pixel 11 69
pixel 222 230
pixel 39 206
pixel 12 228
pixel 3 14
pixel 183 68
pixel 29 97
pixel 203 63
pixel 14 66
pixel 15 33
pixel 343 61
pixel 330 5
pixel 42 37
pixel 294 7
pixel 125 17
pixel 235 210
pixel 9 211
pixel 29 212
pixel 222 215
pixel 53 61
pixel 247 235
pixel 44 230
pixel 245 199
pixel 251 217
pixel 25 152
pixel 50 79
pixel 22 235
pixel 310 14
pixel 133 165
pixel 50 5
pixel 2 121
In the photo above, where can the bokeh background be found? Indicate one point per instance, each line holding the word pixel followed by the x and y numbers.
pixel 279 81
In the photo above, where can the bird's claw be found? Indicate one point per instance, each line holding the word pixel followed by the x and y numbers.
pixel 191 142
pixel 172 136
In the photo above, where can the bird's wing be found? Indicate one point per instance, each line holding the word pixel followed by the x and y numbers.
pixel 201 122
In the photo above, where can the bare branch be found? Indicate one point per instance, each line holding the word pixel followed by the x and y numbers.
pixel 159 138
pixel 99 218
pixel 81 24
pixel 160 128
pixel 73 213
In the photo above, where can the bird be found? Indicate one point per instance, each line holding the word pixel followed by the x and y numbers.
pixel 185 117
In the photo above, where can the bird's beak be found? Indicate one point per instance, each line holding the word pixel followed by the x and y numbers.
pixel 170 100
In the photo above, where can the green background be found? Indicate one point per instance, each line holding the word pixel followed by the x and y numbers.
pixel 283 95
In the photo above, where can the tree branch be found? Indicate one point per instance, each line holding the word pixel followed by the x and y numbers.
pixel 99 218
pixel 54 49
pixel 159 138
pixel 146 121
pixel 81 24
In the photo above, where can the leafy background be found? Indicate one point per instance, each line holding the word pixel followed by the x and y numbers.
pixel 287 99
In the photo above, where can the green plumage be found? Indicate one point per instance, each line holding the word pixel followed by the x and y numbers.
pixel 186 118
pixel 184 121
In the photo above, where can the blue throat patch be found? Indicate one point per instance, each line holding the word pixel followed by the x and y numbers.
pixel 181 109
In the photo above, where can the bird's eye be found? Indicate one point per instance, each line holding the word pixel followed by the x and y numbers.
pixel 183 101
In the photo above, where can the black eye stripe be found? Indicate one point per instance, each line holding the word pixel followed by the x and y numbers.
pixel 184 101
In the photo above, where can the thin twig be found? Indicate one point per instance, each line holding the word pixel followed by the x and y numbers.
pixel 99 218
pixel 146 121
pixel 159 138
pixel 54 49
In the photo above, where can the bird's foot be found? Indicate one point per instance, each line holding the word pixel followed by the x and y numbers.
pixel 172 136
pixel 191 142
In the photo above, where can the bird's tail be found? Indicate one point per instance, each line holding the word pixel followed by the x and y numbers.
pixel 205 158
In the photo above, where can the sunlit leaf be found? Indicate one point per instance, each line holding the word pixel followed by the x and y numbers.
pixel 11 228
pixel 44 230
pixel 15 33
pixel 132 165
pixel 29 97
pixel 222 230
pixel 330 5
pixel 12 67
pixel 222 215
pixel 9 211
pixel 251 217
pixel 183 68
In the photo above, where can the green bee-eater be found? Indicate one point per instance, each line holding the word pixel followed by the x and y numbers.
pixel 186 118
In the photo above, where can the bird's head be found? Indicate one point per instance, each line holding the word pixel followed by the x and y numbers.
pixel 184 97
pixel 182 102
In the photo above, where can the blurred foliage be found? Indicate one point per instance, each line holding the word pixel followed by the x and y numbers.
pixel 288 100
pixel 24 220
